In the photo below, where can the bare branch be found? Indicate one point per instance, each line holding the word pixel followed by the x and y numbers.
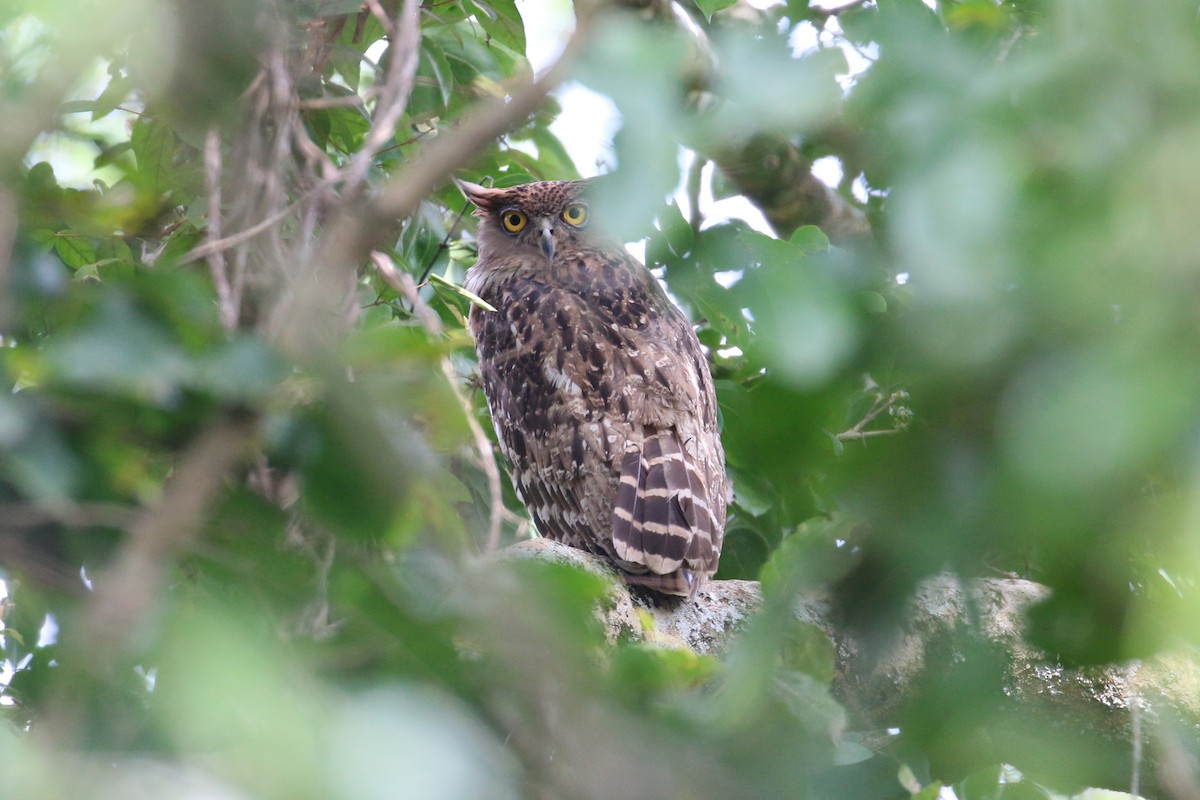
pixel 882 403
pixel 768 169
pixel 777 178
pixel 352 101
pixel 213 245
pixel 227 303
pixel 404 33
pixel 348 240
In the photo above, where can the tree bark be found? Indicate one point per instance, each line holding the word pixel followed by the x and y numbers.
pixel 954 627
pixel 774 175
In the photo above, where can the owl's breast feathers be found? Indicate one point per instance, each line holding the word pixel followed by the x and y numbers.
pixel 604 407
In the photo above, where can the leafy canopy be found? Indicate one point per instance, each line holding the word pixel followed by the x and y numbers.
pixel 254 510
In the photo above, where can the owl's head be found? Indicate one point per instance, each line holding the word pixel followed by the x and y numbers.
pixel 543 218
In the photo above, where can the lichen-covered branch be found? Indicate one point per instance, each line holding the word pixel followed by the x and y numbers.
pixel 951 628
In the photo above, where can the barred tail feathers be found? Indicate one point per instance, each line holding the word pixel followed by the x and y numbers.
pixel 663 525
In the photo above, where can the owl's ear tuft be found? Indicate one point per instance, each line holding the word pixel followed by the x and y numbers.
pixel 484 198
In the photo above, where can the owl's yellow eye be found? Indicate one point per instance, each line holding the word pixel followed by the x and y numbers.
pixel 576 214
pixel 513 220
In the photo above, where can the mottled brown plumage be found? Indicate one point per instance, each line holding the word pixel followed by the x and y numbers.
pixel 599 390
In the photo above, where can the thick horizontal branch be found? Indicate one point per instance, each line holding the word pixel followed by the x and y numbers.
pixel 953 628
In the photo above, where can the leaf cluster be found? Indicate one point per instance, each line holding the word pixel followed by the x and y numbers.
pixel 1003 381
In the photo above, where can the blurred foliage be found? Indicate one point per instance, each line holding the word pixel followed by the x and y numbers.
pixel 1006 383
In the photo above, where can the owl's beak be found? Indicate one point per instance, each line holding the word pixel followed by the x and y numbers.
pixel 548 237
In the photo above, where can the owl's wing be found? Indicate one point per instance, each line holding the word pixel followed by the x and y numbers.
pixel 669 513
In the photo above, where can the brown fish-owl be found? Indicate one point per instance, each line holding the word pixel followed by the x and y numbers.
pixel 600 393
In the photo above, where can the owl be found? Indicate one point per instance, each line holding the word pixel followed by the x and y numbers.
pixel 598 388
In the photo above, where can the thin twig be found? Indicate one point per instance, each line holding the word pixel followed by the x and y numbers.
pixel 853 435
pixel 880 405
pixel 349 238
pixel 318 103
pixel 442 245
pixel 389 109
pixel 403 283
pixel 227 304
pixel 216 245
pixel 1135 734
pixel 389 26
pixel 404 34
pixel 695 181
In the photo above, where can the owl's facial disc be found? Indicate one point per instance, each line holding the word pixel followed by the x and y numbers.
pixel 546 225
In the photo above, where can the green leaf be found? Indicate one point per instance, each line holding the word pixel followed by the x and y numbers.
pixel 434 87
pixel 502 22
pixel 744 552
pixel 344 128
pixel 77 106
pixel 805 323
pixel 336 8
pixel 806 648
pixel 810 83
pixel 44 238
pixel 809 701
pixel 112 249
pixel 810 239
pixel 15 420
pixel 983 784
pixel 874 302
pixel 242 369
pixel 118 88
pixel 710 7
pixel 358 462
pixel 645 671
pixel 751 492
pixel 153 145
pixel 678 230
pixel 931 792
pixel 847 753
pixel 439 281
pixel 110 155
pixel 42 466
pixel 120 350
pixel 75 249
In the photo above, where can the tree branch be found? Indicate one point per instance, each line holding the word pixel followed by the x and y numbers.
pixel 404 33
pixel 952 626
pixel 358 228
pixel 227 304
pixel 776 177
